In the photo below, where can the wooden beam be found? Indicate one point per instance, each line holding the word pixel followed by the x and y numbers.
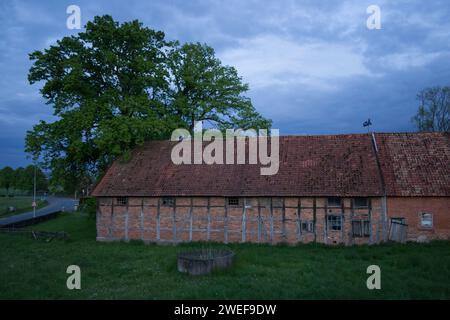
pixel 315 219
pixel 352 215
pixel 244 219
pixel 112 225
pixel 343 221
pixel 190 220
pixel 126 219
pixel 299 222
pixel 370 221
pixel 271 219
pixel 158 220
pixel 174 219
pixel 325 230
pixel 283 221
pixel 208 235
pixel 141 219
pixel 259 220
pixel 225 235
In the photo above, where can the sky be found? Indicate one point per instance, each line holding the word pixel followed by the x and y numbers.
pixel 313 67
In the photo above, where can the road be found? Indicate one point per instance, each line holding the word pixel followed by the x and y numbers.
pixel 54 204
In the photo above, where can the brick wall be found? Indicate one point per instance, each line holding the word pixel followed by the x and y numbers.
pixel 410 208
pixel 264 219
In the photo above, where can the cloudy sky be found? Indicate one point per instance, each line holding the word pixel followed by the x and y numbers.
pixel 312 66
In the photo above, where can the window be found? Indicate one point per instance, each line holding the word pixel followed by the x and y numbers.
pixel 233 201
pixel 122 201
pixel 426 220
pixel 277 202
pixel 334 222
pixel 361 228
pixel 361 202
pixel 105 201
pixel 307 226
pixel 264 202
pixel 398 220
pixel 334 202
pixel 168 201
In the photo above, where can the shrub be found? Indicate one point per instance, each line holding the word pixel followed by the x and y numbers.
pixel 89 205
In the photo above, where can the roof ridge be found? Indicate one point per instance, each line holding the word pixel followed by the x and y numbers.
pixel 355 134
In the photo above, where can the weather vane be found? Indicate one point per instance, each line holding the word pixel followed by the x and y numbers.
pixel 367 124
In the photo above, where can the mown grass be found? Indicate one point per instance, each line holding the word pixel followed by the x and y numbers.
pixel 36 269
pixel 21 203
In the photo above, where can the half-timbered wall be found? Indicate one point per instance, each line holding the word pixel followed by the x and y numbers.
pixel 262 219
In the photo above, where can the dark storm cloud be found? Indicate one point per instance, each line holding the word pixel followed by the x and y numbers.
pixel 313 66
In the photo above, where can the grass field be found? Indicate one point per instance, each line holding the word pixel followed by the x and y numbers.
pixel 21 203
pixel 36 269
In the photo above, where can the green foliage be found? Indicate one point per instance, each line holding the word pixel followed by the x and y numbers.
pixel 104 86
pixel 7 178
pixel 22 179
pixel 434 110
pixel 115 86
pixel 89 206
pixel 204 89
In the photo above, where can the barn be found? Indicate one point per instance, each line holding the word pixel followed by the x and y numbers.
pixel 332 189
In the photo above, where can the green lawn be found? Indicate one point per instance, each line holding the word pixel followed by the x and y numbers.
pixel 36 269
pixel 21 203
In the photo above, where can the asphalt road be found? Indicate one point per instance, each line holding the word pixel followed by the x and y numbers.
pixel 54 204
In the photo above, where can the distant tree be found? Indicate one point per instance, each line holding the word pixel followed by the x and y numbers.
pixel 22 179
pixel 27 179
pixel 7 178
pixel 115 86
pixel 434 110
pixel 206 90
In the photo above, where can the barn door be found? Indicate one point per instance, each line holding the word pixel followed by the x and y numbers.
pixel 397 230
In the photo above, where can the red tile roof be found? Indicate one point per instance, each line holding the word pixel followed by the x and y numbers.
pixel 328 165
pixel 415 164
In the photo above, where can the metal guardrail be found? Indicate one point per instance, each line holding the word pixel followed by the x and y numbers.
pixel 31 221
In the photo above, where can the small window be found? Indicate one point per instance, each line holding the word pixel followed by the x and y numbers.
pixel 168 201
pixel 426 220
pixel 264 202
pixel 233 201
pixel 361 228
pixel 122 201
pixel 334 222
pixel 398 220
pixel 277 202
pixel 334 202
pixel 105 201
pixel 307 226
pixel 361 202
